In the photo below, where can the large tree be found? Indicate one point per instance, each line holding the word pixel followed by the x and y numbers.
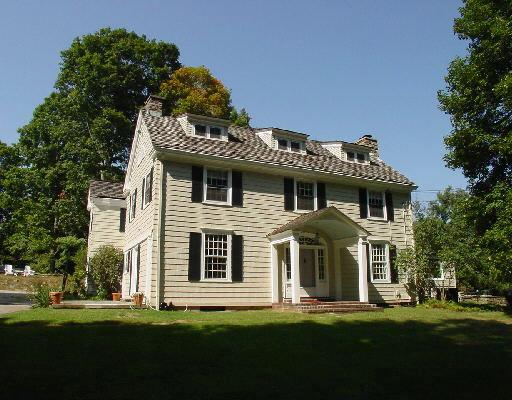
pixel 81 131
pixel 478 98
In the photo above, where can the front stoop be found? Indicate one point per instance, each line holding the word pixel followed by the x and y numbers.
pixel 319 307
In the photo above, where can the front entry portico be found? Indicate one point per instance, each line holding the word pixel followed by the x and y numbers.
pixel 304 259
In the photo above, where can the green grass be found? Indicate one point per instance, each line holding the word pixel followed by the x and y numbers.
pixel 400 353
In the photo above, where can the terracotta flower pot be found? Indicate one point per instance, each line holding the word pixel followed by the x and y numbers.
pixel 56 297
pixel 116 296
pixel 137 299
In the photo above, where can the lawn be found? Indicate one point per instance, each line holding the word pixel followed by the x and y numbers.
pixel 399 353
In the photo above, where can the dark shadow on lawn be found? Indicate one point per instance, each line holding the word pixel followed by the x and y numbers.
pixel 347 359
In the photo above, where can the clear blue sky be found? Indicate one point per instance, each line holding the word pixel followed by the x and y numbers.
pixel 333 69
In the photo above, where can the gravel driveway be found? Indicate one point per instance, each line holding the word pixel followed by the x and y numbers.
pixel 13 301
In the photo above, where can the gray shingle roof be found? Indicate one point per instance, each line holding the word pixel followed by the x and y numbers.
pixel 167 133
pixel 113 190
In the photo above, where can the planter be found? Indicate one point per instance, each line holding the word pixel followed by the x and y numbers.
pixel 56 297
pixel 116 296
pixel 137 299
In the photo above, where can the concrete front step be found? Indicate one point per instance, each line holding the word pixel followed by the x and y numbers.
pixel 325 307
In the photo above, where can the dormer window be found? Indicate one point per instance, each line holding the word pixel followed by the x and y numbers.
pixel 290 145
pixel 354 156
pixel 210 131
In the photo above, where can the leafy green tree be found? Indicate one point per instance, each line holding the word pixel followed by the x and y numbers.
pixel 83 130
pixel 106 269
pixel 195 90
pixel 241 118
pixel 478 98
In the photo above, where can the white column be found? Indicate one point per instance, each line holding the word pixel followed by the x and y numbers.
pixel 274 265
pixel 337 270
pixel 294 255
pixel 363 270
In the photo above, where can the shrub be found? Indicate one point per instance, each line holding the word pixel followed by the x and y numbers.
pixel 41 297
pixel 75 284
pixel 106 268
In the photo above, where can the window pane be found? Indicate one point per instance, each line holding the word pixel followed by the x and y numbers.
pixel 216 256
pixel 379 262
pixel 282 144
pixel 305 196
pixel 288 262
pixel 321 265
pixel 295 146
pixel 350 156
pixel 215 132
pixel 217 185
pixel 376 204
pixel 200 130
pixel 360 157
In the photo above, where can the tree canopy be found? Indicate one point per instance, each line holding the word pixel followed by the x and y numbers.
pixel 478 98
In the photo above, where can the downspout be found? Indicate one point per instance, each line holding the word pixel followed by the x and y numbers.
pixel 160 229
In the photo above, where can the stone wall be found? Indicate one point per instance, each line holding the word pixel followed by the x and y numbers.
pixel 28 283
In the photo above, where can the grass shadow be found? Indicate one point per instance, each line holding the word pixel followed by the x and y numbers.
pixel 181 357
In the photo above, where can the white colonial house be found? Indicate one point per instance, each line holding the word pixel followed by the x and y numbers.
pixel 215 215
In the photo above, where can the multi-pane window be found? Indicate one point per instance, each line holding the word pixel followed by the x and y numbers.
pixel 215 256
pixel 289 145
pixel 133 205
pixel 211 132
pixel 288 263
pixel 200 130
pixel 376 204
pixel 438 272
pixel 379 262
pixel 321 264
pixel 282 144
pixel 356 157
pixel 217 185
pixel 305 195
pixel 147 187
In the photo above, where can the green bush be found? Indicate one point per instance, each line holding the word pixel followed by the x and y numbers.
pixel 41 297
pixel 75 284
pixel 106 268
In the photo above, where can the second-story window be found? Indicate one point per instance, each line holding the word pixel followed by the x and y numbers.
pixel 293 146
pixel 133 205
pixel 376 208
pixel 354 156
pixel 217 184
pixel 305 195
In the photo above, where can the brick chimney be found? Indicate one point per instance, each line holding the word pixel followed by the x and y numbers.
pixel 371 142
pixel 155 104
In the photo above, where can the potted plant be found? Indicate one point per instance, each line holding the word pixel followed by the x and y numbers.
pixel 138 297
pixel 116 296
pixel 56 297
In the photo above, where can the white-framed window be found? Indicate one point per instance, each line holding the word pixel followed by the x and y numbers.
pixel 216 260
pixel 133 206
pixel 217 186
pixel 379 262
pixel 320 258
pixel 288 263
pixel 147 183
pixel 293 146
pixel 376 205
pixel 357 157
pixel 305 195
pixel 210 131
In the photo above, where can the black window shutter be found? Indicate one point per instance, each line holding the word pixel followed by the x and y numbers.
pixel 122 219
pixel 237 188
pixel 134 203
pixel 237 258
pixel 151 185
pixel 194 256
pixel 143 191
pixel 289 200
pixel 363 206
pixel 368 262
pixel 389 206
pixel 320 195
pixel 197 184
pixel 392 264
